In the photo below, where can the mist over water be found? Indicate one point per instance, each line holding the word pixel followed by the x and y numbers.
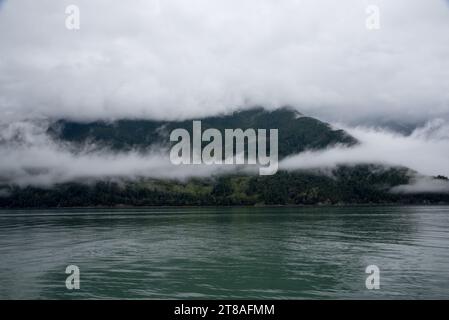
pixel 226 252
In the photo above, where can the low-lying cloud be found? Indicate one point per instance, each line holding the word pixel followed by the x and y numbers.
pixel 426 150
pixel 423 185
pixel 31 157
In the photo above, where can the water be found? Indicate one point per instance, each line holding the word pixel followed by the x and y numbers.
pixel 260 253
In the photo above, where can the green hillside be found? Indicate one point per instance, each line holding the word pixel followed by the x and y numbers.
pixel 362 184
pixel 296 132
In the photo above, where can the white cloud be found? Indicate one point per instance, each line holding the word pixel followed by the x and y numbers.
pixel 423 185
pixel 29 156
pixel 426 150
pixel 183 58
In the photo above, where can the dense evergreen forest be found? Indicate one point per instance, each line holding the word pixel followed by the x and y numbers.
pixel 343 185
pixel 297 133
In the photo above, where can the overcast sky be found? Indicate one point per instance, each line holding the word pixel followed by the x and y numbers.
pixel 186 58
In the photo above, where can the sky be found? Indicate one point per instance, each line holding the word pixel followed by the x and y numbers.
pixel 178 59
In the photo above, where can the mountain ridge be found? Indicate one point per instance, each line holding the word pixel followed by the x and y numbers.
pixel 297 132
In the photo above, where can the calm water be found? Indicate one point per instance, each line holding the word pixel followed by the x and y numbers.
pixel 226 252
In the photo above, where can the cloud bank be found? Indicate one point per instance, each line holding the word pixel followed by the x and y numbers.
pixel 423 185
pixel 31 157
pixel 176 58
pixel 426 150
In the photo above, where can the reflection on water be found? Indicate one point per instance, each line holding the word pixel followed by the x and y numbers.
pixel 313 252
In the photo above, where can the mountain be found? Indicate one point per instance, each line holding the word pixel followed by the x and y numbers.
pixel 360 184
pixel 296 132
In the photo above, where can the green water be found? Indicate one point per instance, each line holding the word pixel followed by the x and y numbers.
pixel 260 253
